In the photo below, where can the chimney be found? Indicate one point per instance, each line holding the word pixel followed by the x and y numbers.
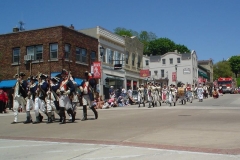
pixel 15 29
pixel 71 27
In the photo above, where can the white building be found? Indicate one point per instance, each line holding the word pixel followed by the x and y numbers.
pixel 173 65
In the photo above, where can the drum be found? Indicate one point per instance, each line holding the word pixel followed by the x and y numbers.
pixel 180 92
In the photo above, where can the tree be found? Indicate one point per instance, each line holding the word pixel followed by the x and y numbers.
pixel 182 48
pixel 222 69
pixel 161 46
pixel 123 32
pixel 235 64
pixel 146 37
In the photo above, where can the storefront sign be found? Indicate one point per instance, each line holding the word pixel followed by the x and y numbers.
pixel 144 73
pixel 97 70
pixel 186 71
pixel 174 76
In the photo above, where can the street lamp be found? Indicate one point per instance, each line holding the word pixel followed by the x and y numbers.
pixel 176 73
pixel 101 80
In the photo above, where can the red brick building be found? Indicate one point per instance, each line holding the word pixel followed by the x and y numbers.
pixel 48 50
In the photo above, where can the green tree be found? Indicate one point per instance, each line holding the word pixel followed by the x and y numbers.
pixel 146 37
pixel 222 69
pixel 235 64
pixel 161 46
pixel 123 32
pixel 182 48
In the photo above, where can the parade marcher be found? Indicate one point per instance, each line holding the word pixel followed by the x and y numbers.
pixel 141 95
pixel 88 96
pixel 181 93
pixel 66 88
pixel 32 87
pixel 164 94
pixel 215 93
pixel 189 93
pixel 172 94
pixel 2 100
pixel 151 97
pixel 20 93
pixel 200 92
pixel 158 94
pixel 52 99
pixel 41 93
pixel 74 98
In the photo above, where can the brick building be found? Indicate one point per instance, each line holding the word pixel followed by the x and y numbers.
pixel 49 50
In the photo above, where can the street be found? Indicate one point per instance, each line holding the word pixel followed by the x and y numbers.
pixel 198 130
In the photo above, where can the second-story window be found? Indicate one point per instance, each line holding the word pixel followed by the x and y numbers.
pixel 16 55
pixel 178 60
pixel 163 61
pixel 170 60
pixel 81 55
pixel 67 51
pixel 147 62
pixel 126 57
pixel 117 57
pixel 53 51
pixel 162 73
pixel 35 51
pixel 93 56
pixel 133 59
pixel 139 61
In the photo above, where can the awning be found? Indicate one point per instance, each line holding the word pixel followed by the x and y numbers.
pixel 78 81
pixel 55 74
pixel 7 83
pixel 201 74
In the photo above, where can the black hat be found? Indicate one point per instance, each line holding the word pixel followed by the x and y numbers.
pixel 32 78
pixel 64 71
pixel 43 76
pixel 20 74
pixel 55 79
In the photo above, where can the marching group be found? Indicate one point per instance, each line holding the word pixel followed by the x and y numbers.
pixel 53 95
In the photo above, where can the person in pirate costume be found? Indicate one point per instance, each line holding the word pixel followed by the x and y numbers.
pixel 52 100
pixel 32 87
pixel 41 94
pixel 151 98
pixel 87 90
pixel 20 93
pixel 141 95
pixel 66 89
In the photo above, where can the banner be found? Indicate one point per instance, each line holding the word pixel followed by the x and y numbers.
pixel 144 73
pixel 200 80
pixel 174 76
pixel 97 70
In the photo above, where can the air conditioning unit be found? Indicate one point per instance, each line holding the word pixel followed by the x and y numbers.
pixel 28 57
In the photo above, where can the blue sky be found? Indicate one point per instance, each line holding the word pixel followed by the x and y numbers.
pixel 210 27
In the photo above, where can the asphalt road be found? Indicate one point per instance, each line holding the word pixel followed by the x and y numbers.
pixel 199 130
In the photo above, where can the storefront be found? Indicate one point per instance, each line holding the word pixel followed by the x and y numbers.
pixel 116 82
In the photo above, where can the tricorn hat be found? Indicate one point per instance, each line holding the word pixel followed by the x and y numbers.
pixel 43 76
pixel 20 74
pixel 32 78
pixel 64 71
pixel 55 79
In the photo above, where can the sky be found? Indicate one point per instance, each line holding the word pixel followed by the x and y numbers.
pixel 210 27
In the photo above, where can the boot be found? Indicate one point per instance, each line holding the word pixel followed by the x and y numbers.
pixel 40 117
pixel 49 118
pixel 84 113
pixel 70 111
pixel 53 117
pixel 95 112
pixel 63 116
pixel 29 120
pixel 37 120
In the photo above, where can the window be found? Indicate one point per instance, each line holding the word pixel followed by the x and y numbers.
pixel 93 56
pixel 163 61
pixel 162 73
pixel 35 51
pixel 170 60
pixel 147 62
pixel 54 51
pixel 139 61
pixel 117 57
pixel 178 60
pixel 81 55
pixel 110 54
pixel 133 59
pixel 156 72
pixel 16 55
pixel 127 57
pixel 67 51
pixel 150 73
pixel 104 55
